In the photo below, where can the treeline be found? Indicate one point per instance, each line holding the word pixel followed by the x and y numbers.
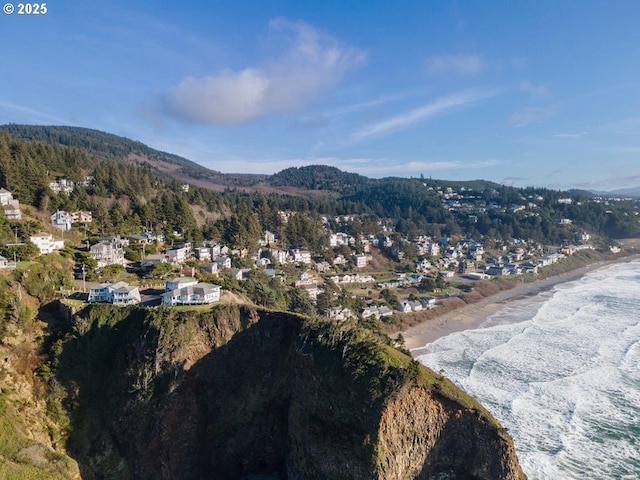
pixel 101 144
pixel 319 177
pixel 126 197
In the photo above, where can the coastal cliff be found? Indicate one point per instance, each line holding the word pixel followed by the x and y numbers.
pixel 236 392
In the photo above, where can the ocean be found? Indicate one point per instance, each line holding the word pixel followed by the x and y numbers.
pixel 561 371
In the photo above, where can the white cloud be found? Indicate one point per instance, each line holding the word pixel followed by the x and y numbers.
pixel 439 106
pixel 457 64
pixel 530 116
pixel 311 63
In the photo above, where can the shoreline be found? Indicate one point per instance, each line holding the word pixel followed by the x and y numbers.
pixel 471 316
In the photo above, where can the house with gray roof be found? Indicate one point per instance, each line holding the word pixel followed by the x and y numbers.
pixel 198 294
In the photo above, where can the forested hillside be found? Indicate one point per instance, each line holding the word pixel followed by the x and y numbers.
pixel 126 195
pixel 101 144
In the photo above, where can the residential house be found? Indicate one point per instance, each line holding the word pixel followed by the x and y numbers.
pixel 280 256
pixel 384 311
pixel 46 243
pixel 12 210
pixel 313 290
pixel 428 302
pixel 62 185
pixel 5 196
pixel 187 271
pixel 138 239
pixel 151 260
pixel 240 252
pixel 582 236
pixel 177 255
pixel 216 250
pixel 301 256
pixel 433 250
pixel 186 245
pixel 82 216
pixel 323 266
pixel 62 220
pixel 263 262
pixel 223 262
pixel 466 266
pixel 202 253
pixel 197 294
pixel 240 274
pixel 378 312
pixel 179 282
pixel 338 313
pixel 6 263
pixel 116 240
pixel 267 239
pixel 107 253
pixel 339 260
pixel 513 269
pixel 529 267
pixel 125 295
pixel 340 238
pixel 496 271
pixel 360 260
pixel 409 306
pixel 119 293
pixel 210 268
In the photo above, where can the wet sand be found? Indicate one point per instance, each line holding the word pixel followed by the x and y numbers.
pixel 473 315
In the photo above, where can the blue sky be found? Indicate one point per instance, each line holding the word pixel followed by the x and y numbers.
pixel 533 93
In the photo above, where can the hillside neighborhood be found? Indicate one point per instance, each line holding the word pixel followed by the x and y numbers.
pixel 388 273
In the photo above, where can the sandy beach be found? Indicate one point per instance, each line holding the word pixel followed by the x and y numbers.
pixel 473 315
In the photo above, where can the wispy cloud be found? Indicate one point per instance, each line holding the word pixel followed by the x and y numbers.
pixel 415 167
pixel 31 114
pixel 611 183
pixel 324 118
pixel 538 91
pixel 312 63
pixel 456 64
pixel 570 135
pixel 530 116
pixel 373 167
pixel 440 106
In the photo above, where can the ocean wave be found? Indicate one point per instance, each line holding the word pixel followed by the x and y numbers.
pixel 562 373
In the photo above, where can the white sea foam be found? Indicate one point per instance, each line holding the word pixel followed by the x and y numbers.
pixel 562 373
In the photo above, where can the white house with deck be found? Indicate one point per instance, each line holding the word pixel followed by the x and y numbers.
pixel 179 282
pixel 198 294
pixel 119 293
pixel 46 243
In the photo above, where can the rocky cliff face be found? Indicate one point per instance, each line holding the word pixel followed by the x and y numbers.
pixel 235 393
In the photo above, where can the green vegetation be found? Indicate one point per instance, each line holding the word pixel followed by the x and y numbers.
pixel 129 192
pixel 14 314
pixel 46 276
pixel 22 458
pixel 126 374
